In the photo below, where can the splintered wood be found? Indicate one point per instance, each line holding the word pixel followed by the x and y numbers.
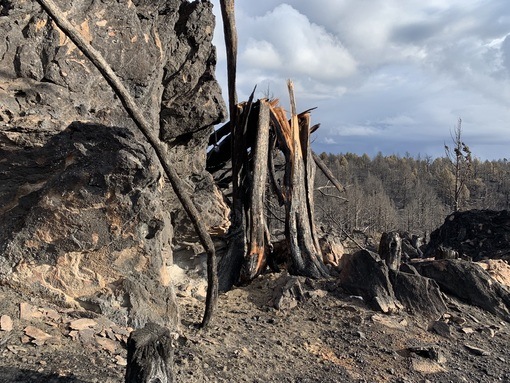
pixel 262 130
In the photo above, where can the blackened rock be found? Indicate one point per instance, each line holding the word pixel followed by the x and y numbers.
pixel 86 217
pixel 474 234
pixel 470 283
pixel 365 274
pixel 418 294
pixel 287 293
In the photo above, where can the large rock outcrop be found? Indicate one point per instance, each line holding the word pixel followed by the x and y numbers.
pixel 473 234
pixel 86 217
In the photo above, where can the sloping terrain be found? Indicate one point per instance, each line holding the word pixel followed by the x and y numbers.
pixel 327 337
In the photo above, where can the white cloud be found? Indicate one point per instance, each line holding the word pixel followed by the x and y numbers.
pixel 302 48
pixel 384 74
pixel 261 55
pixel 328 141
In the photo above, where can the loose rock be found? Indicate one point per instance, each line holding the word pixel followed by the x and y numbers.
pixel 6 323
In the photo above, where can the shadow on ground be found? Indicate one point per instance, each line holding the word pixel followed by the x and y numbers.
pixel 16 375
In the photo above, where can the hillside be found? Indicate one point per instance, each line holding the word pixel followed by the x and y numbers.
pixel 329 337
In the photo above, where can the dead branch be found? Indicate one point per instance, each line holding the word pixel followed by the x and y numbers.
pixel 330 195
pixel 324 168
pixel 160 149
pixel 342 229
pixel 229 30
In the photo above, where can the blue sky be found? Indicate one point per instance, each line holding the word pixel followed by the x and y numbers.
pixel 385 75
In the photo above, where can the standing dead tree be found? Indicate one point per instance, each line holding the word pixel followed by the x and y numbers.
pixel 459 156
pixel 261 130
pixel 159 147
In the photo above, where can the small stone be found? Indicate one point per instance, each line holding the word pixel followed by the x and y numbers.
pixel 476 350
pixel 82 324
pixel 459 320
pixel 315 294
pixel 390 322
pixel 52 314
pixel 6 323
pixel 87 336
pixel 426 366
pixel 432 352
pixel 28 312
pixel 74 334
pixel 110 334
pixel 441 328
pixel 107 344
pixel 467 330
pixel 38 336
pixel 120 361
pixel 120 330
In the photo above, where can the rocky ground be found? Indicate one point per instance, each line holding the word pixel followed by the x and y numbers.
pixel 326 337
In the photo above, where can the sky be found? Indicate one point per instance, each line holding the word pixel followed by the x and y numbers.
pixel 387 76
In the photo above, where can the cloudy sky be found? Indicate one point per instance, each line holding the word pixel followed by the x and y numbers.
pixel 385 75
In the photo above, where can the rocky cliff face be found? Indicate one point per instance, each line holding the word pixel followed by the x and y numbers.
pixel 86 217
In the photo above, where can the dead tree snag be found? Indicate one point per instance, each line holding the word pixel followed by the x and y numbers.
pixel 256 257
pixel 261 132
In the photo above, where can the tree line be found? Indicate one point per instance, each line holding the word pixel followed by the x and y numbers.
pixel 394 192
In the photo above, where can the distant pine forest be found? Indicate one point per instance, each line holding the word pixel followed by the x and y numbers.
pixel 387 193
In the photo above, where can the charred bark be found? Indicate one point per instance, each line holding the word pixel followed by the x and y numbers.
pixel 255 260
pixel 230 265
pixel 149 355
pixel 298 186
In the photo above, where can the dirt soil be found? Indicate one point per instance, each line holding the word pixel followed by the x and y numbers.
pixel 327 337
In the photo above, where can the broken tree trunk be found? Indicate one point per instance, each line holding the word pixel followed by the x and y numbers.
pixel 260 130
pixel 230 265
pixel 160 149
pixel 149 355
pixel 230 32
pixel 255 260
pixel 299 227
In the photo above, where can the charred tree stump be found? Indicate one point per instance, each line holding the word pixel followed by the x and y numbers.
pixel 255 259
pixel 229 267
pixel 149 355
pixel 261 129
pixel 390 249
pixel 300 228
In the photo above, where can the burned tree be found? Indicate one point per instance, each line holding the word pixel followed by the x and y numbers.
pixel 149 355
pixel 260 132
pixel 459 157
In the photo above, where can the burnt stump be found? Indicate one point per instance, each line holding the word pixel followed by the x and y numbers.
pixel 149 355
